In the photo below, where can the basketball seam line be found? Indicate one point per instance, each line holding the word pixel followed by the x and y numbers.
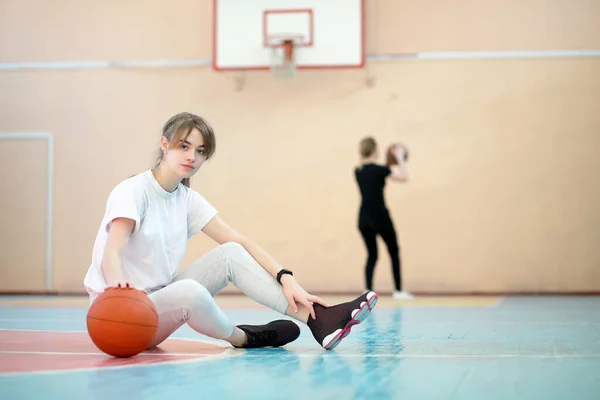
pixel 120 322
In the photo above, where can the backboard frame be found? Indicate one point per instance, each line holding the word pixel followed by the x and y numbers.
pixel 314 36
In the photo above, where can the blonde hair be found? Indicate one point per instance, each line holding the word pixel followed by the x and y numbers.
pixel 178 128
pixel 367 147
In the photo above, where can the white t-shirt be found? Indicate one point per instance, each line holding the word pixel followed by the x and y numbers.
pixel 164 221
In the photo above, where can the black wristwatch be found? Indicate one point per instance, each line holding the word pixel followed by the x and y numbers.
pixel 283 272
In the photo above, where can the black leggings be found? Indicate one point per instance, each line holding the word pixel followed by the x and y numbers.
pixel 381 225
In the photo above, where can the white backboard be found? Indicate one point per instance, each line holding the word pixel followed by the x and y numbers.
pixel 326 33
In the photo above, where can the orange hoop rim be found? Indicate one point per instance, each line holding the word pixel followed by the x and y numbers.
pixel 275 41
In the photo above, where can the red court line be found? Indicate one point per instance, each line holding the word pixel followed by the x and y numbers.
pixel 34 351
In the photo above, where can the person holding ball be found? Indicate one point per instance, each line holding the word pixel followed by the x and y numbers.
pixel 373 217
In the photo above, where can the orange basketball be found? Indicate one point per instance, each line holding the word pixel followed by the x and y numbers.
pixel 390 156
pixel 122 322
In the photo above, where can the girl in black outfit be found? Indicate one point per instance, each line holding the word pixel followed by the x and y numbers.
pixel 374 218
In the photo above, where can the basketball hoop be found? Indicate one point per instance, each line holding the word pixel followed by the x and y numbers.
pixel 283 64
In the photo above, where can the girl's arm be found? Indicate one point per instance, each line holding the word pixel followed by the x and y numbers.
pixel 118 237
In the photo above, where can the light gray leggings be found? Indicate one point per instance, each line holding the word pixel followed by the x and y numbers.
pixel 189 296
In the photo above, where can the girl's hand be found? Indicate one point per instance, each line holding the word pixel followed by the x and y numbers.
pixel 121 284
pixel 296 294
pixel 400 152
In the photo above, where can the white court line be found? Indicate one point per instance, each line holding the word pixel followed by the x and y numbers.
pixel 39 330
pixel 426 322
pixel 193 357
pixel 228 353
pixel 70 353
pixel 38 320
pixel 215 342
pixel 320 354
pixel 225 354
pixel 407 356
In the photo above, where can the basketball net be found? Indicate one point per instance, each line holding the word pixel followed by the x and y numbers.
pixel 282 60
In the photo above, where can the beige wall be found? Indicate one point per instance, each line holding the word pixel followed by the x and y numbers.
pixel 504 189
pixel 411 26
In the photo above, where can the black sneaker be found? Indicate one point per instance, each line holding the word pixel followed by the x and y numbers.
pixel 274 334
pixel 334 323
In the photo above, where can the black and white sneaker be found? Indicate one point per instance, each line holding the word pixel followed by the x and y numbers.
pixel 332 324
pixel 274 334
